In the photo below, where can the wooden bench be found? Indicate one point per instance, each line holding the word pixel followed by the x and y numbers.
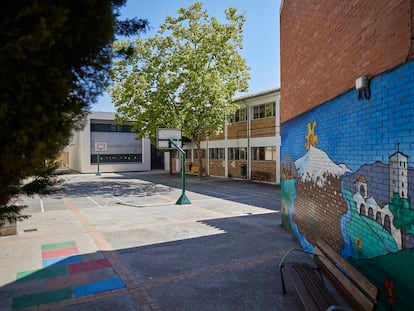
pixel 307 280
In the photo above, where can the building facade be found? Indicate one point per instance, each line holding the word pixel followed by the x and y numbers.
pixel 117 147
pixel 249 146
pixel 347 121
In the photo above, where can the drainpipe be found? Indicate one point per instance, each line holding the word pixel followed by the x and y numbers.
pixel 249 161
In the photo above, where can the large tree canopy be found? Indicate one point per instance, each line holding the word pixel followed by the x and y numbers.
pixel 54 60
pixel 183 77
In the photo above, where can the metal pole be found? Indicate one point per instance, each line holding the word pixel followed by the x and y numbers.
pixel 183 198
pixel 98 173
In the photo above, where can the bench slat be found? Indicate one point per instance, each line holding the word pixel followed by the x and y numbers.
pixel 303 293
pixel 348 290
pixel 307 276
pixel 321 285
pixel 360 280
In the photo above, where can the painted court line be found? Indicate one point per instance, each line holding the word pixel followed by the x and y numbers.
pixel 94 202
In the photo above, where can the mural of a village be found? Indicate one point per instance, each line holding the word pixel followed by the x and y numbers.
pixel 364 214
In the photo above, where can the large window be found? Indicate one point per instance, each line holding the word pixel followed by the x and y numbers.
pixel 102 127
pixel 238 153
pixel 239 116
pixel 116 158
pixel 264 153
pixel 216 153
pixel 264 111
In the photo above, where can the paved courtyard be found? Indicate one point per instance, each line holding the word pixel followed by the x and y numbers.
pixel 119 242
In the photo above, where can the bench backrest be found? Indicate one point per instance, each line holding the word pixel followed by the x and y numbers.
pixel 350 283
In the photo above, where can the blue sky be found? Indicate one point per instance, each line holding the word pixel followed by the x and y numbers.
pixel 261 35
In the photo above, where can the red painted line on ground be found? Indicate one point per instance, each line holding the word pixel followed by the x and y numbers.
pixel 60 252
pixel 88 266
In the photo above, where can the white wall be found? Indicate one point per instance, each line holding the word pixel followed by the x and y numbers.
pixel 83 145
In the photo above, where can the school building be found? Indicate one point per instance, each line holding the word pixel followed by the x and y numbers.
pixel 116 145
pixel 249 146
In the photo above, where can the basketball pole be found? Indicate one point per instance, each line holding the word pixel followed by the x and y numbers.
pixel 98 173
pixel 183 199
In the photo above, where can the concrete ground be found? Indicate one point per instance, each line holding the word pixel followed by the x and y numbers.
pixel 119 242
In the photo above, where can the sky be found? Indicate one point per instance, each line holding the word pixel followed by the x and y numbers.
pixel 261 36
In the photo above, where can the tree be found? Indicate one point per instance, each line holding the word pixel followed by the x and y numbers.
pixel 183 77
pixel 403 217
pixel 54 60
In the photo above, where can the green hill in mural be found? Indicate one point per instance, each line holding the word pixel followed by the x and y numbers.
pixel 287 193
pixel 377 269
pixel 369 239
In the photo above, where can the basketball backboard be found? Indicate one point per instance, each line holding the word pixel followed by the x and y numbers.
pixel 165 134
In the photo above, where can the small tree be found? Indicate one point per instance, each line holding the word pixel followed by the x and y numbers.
pixel 183 77
pixel 403 217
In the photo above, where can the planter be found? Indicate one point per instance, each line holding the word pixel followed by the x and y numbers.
pixel 9 228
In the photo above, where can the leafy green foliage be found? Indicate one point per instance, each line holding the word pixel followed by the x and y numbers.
pixel 54 60
pixel 403 216
pixel 183 77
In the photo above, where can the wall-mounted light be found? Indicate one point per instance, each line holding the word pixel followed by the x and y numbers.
pixel 362 85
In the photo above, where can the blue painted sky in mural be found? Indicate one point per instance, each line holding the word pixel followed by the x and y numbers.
pixel 354 132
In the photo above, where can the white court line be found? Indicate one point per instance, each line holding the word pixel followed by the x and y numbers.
pixel 94 202
pixel 41 206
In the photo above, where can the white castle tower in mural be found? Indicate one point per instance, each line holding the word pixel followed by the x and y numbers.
pixel 367 206
pixel 398 175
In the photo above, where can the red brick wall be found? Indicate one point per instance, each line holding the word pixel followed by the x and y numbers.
pixel 264 127
pixel 236 170
pixel 216 167
pixel 217 137
pixel 265 166
pixel 237 130
pixel 319 60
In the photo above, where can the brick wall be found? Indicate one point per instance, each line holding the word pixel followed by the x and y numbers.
pixel 264 127
pixel 216 167
pixel 332 141
pixel 327 44
pixel 264 166
pixel 234 168
pixel 354 140
pixel 219 136
pixel 237 130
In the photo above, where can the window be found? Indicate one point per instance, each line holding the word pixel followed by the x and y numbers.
pixel 259 112
pixel 102 127
pixel 264 111
pixel 239 116
pixel 216 153
pixel 264 153
pixel 116 158
pixel 238 153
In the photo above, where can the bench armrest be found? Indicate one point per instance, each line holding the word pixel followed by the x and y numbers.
pixel 282 261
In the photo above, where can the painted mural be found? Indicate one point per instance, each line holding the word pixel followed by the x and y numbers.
pixel 363 212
